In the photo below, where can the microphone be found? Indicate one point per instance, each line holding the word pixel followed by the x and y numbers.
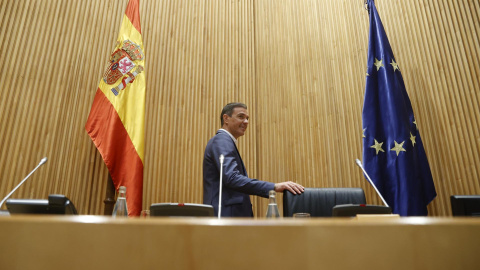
pixel 25 179
pixel 359 163
pixel 221 158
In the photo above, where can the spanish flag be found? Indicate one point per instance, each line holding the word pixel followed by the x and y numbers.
pixel 116 123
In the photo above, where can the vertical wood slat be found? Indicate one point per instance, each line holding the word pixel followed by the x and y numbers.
pixel 298 65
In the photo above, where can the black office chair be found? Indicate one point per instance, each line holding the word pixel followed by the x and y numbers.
pixel 181 210
pixel 465 205
pixel 320 201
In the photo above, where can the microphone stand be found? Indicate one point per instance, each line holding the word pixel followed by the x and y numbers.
pixel 25 179
pixel 220 187
pixel 359 163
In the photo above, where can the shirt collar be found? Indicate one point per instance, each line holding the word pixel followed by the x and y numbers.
pixel 231 136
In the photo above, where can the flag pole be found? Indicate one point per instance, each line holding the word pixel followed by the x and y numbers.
pixel 109 197
pixel 365 4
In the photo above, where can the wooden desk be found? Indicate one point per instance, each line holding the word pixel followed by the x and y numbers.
pixel 96 242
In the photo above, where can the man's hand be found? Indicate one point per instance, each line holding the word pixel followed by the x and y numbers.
pixel 290 186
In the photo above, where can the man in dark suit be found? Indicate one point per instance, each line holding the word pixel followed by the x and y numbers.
pixel 236 185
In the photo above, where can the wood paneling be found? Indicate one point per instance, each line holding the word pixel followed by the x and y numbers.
pixel 187 243
pixel 298 65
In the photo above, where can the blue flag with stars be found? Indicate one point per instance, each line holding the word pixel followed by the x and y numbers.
pixel 393 153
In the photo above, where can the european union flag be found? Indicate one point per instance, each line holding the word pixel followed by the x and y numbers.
pixel 393 153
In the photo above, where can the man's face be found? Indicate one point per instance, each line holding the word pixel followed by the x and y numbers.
pixel 236 124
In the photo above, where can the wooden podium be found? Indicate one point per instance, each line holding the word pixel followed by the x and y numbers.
pixel 98 242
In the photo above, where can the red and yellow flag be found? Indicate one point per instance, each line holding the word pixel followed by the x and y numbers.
pixel 116 123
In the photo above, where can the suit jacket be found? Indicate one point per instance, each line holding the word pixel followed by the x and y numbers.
pixel 236 185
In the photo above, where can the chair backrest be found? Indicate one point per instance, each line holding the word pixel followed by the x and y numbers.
pixel 465 205
pixel 320 201
pixel 181 210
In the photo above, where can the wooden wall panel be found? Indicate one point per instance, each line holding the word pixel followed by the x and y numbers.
pixel 298 65
pixel 54 54
pixel 311 66
pixel 203 59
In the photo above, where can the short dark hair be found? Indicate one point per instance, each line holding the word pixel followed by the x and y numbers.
pixel 228 109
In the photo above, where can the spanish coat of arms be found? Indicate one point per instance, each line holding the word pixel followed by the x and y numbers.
pixel 122 65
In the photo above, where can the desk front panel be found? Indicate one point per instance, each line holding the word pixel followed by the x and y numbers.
pixel 95 242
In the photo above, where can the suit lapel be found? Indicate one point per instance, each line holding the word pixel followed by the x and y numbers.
pixel 241 161
pixel 236 149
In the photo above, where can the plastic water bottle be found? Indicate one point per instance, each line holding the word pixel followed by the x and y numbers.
pixel 120 209
pixel 272 210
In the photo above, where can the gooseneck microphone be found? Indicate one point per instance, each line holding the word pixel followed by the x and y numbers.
pixel 221 158
pixel 359 163
pixel 23 181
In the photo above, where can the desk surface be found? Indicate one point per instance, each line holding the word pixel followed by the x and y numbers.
pixel 97 242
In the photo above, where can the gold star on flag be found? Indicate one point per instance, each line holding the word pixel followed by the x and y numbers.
pixel 412 138
pixel 398 147
pixel 363 134
pixel 394 65
pixel 415 122
pixel 378 63
pixel 377 146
